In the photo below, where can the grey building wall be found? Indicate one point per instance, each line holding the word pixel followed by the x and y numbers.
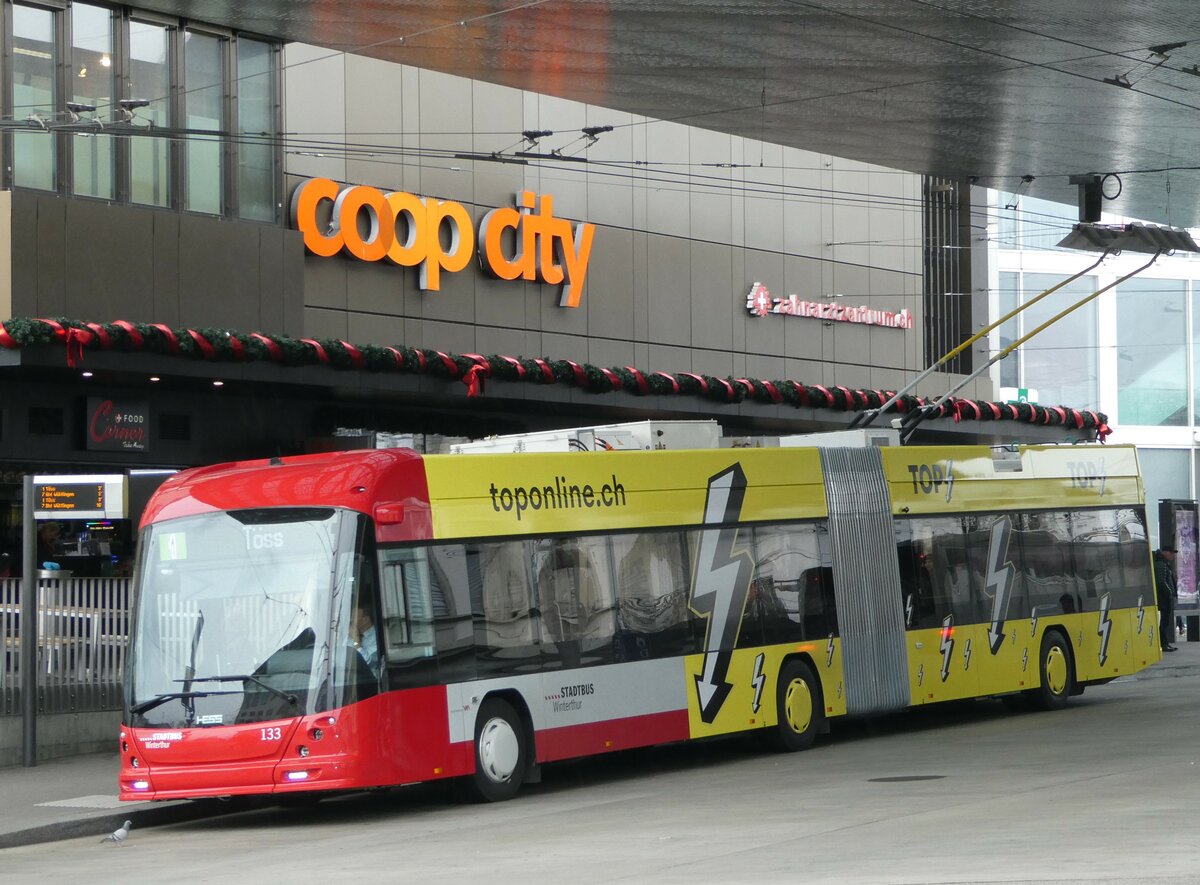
pixel 687 220
pixel 97 261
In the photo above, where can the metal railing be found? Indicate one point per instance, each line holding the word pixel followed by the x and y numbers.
pixel 82 637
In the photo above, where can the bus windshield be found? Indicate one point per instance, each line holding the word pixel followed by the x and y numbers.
pixel 233 617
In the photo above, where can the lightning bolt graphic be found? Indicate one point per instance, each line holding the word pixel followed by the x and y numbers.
pixel 921 674
pixel 829 651
pixel 1024 660
pixel 1141 614
pixel 947 645
pixel 999 580
pixel 1104 629
pixel 1033 623
pixel 967 655
pixel 908 610
pixel 720 587
pixel 949 480
pixel 758 681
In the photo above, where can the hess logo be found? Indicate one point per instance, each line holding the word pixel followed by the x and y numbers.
pixel 436 235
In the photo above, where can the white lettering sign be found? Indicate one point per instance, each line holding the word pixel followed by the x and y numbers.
pixel 760 303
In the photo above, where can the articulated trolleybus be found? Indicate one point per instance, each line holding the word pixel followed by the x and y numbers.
pixel 372 618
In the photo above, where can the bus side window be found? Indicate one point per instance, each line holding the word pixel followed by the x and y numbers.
pixel 407 603
pixel 652 587
pixel 576 601
pixel 932 563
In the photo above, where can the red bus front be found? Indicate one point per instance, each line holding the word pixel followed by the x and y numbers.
pixel 255 663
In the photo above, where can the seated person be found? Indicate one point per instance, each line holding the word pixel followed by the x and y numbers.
pixel 365 639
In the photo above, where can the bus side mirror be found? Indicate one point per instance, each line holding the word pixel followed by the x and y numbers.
pixel 389 514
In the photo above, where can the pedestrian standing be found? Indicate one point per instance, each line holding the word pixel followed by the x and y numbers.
pixel 1164 583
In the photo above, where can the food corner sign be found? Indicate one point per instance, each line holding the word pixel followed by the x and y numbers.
pixel 406 230
pixel 760 303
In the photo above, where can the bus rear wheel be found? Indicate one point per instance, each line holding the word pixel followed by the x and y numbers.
pixel 1056 672
pixel 799 707
pixel 501 752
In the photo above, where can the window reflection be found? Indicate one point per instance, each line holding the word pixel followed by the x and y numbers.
pixel 1039 365
pixel 204 91
pixel 33 95
pixel 791 596
pixel 92 84
pixel 183 76
pixel 1151 353
pixel 149 79
pixel 256 122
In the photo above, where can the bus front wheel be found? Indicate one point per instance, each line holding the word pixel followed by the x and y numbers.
pixel 799 707
pixel 501 752
pixel 1057 680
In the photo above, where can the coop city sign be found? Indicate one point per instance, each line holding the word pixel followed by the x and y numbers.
pixel 407 230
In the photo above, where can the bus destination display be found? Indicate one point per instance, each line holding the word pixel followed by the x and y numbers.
pixel 66 498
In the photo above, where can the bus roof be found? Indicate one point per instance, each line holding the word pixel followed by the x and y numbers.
pixel 420 497
pixel 357 480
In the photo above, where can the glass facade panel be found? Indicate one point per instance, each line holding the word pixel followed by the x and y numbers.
pixel 92 84
pixel 204 107
pixel 256 123
pixel 1195 351
pixel 1151 353
pixel 1034 224
pixel 1061 361
pixel 1165 474
pixel 150 80
pixel 1010 297
pixel 33 95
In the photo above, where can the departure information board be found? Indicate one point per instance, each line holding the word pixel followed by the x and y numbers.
pixel 72 496
pixel 69 498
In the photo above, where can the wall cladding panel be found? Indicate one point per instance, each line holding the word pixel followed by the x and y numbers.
pixel 51 256
pixel 672 260
pixel 218 291
pixel 610 283
pixel 107 274
pixel 712 305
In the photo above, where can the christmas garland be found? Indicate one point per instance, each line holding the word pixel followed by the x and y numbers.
pixel 473 370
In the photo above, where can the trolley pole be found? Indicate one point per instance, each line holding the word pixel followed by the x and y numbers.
pixel 29 630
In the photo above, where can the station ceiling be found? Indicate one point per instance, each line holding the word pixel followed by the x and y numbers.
pixel 994 89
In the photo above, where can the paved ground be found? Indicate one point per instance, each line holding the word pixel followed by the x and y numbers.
pixel 1105 791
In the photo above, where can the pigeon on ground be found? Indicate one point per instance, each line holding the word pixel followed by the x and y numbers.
pixel 118 835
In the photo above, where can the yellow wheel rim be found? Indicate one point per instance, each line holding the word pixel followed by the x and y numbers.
pixel 1056 670
pixel 798 706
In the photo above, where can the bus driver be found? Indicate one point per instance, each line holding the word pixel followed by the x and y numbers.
pixel 364 636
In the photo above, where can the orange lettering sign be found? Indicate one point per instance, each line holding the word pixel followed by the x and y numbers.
pixel 407 230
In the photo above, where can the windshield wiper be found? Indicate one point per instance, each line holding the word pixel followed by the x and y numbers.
pixel 244 677
pixel 158 699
